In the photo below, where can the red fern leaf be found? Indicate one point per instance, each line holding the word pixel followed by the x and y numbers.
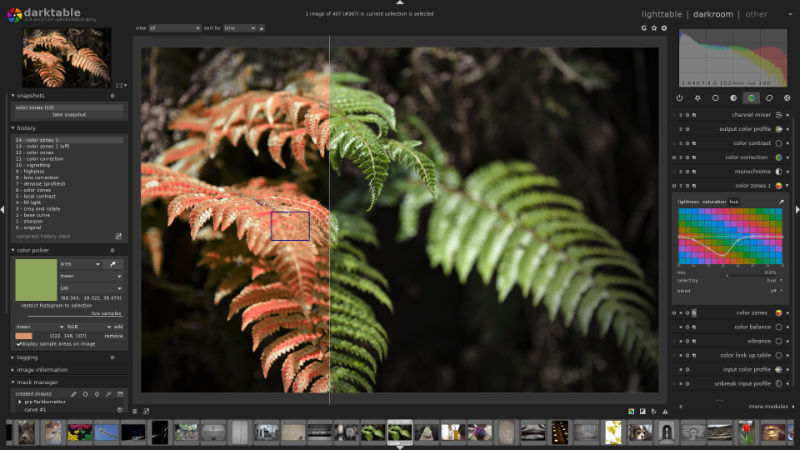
pixel 324 137
pixel 155 170
pixel 251 208
pixel 258 270
pixel 283 345
pixel 189 121
pixel 255 111
pixel 269 326
pixel 87 60
pixel 182 150
pixel 295 263
pixel 256 293
pixel 272 107
pixel 226 214
pixel 316 122
pixel 48 67
pixel 162 182
pixel 296 107
pixel 295 361
pixel 255 133
pixel 321 385
pixel 309 372
pixel 299 148
pixel 284 115
pixel 275 145
pixel 294 309
pixel 52 76
pixel 226 121
pixel 213 139
pixel 182 203
pixel 260 310
pixel 153 241
pixel 200 214
pixel 236 278
pixel 53 42
pixel 236 133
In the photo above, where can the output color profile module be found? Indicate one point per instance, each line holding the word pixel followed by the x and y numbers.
pixel 398 223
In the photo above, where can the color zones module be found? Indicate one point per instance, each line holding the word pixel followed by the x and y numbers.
pixel 730 236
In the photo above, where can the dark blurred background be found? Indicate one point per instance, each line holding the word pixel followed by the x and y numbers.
pixel 586 116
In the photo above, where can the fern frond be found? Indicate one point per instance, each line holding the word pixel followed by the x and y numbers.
pixel 356 141
pixel 508 221
pixel 405 153
pixel 299 118
pixel 358 341
pixel 295 361
pixel 285 344
pixel 250 208
pixel 53 41
pixel 343 374
pixel 284 300
pixel 48 65
pixel 416 198
pixel 87 60
pixel 153 242
pixel 361 123
pixel 309 373
pixel 322 384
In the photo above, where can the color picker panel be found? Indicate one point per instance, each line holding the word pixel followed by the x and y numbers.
pixel 730 236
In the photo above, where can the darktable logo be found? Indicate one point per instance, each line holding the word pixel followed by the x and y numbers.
pixel 47 13
pixel 14 15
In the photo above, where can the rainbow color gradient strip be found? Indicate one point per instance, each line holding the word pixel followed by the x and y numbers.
pixel 730 236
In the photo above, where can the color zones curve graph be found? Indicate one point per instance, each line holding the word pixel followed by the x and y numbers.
pixel 733 57
pixel 730 236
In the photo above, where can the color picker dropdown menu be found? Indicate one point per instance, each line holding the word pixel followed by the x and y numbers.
pixel 35 280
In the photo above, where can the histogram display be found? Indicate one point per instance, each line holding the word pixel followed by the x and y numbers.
pixel 733 58
pixel 730 236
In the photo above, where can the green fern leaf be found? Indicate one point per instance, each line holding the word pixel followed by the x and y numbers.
pixel 345 360
pixel 417 198
pixel 509 269
pixel 358 142
pixel 361 129
pixel 359 124
pixel 362 284
pixel 358 341
pixel 509 222
pixel 346 375
pixel 432 145
pixel 355 350
pixel 405 153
